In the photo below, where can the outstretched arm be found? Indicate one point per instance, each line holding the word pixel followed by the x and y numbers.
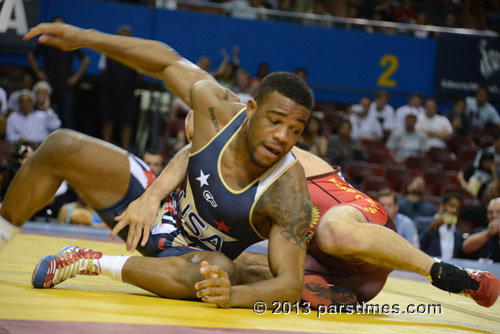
pixel 141 213
pixel 151 57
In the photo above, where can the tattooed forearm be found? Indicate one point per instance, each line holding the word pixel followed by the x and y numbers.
pixel 291 209
pixel 214 120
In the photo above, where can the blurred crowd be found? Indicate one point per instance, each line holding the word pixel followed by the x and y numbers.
pixel 483 15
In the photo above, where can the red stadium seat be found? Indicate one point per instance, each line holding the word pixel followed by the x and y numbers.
pixel 374 183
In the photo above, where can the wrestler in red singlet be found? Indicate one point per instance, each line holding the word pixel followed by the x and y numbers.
pixel 365 280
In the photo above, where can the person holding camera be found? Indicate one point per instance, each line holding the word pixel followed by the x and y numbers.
pixel 485 244
pixel 442 238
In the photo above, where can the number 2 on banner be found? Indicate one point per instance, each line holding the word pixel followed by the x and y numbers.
pixel 391 62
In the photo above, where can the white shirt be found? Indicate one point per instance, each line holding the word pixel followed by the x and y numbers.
pixel 367 127
pixel 402 111
pixel 447 241
pixel 35 127
pixel 437 123
pixel 481 116
pixel 3 99
pixel 386 116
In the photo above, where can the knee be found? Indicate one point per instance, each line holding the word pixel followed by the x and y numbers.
pixel 337 235
pixel 220 260
pixel 60 143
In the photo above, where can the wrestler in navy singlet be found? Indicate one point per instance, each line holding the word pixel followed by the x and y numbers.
pixel 214 216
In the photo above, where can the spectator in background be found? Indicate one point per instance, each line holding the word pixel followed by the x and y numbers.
pixel 485 243
pixel 414 104
pixel 365 127
pixel 421 212
pixel 404 225
pixel 30 126
pixel 79 213
pixel 242 86
pixel 423 20
pixel 204 63
pixel 3 101
pixel 312 139
pixel 285 6
pixel 407 141
pixel 225 73
pixel 406 13
pixel 3 114
pixel 117 100
pixel 476 179
pixel 451 21
pixel 480 111
pixel 154 160
pixel 323 21
pixel 58 71
pixel 262 71
pixel 342 148
pixel 303 74
pixel 382 111
pixel 442 238
pixel 460 122
pixel 493 149
pixel 437 127
pixel 42 92
pixel 26 83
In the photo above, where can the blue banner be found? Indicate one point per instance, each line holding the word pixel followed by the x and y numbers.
pixel 341 64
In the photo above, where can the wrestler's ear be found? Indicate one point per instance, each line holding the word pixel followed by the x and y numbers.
pixel 251 108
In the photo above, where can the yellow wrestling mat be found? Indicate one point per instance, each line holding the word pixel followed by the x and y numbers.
pixel 100 305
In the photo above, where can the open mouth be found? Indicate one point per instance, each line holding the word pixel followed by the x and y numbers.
pixel 273 149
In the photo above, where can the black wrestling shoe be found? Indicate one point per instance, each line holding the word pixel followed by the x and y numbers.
pixel 482 286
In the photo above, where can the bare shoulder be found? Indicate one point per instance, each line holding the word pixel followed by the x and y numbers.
pixel 288 203
pixel 312 164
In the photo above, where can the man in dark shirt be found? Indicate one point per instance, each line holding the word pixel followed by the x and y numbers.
pixel 117 100
pixel 58 71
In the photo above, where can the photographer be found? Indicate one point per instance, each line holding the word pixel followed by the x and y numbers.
pixel 441 238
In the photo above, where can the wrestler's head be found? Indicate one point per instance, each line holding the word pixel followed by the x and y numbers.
pixel 277 117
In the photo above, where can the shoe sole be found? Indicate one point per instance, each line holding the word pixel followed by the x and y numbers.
pixel 40 272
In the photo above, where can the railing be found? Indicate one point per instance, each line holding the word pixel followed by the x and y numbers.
pixel 327 20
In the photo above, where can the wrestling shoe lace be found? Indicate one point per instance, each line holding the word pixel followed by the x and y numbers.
pixel 71 261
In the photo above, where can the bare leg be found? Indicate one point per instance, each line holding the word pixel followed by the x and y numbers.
pixel 252 267
pixel 344 233
pixel 99 172
pixel 173 277
pixel 126 134
pixel 107 131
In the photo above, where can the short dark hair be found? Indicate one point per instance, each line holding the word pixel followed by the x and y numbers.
pixel 386 192
pixel 153 151
pixel 458 99
pixel 485 89
pixel 287 84
pixel 449 196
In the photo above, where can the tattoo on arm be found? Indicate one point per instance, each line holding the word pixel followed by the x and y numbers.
pixel 291 209
pixel 214 120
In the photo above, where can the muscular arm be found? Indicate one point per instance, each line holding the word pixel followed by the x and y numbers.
pixel 151 57
pixel 288 205
pixel 141 213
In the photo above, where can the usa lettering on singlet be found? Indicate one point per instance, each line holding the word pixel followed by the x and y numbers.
pixel 214 216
